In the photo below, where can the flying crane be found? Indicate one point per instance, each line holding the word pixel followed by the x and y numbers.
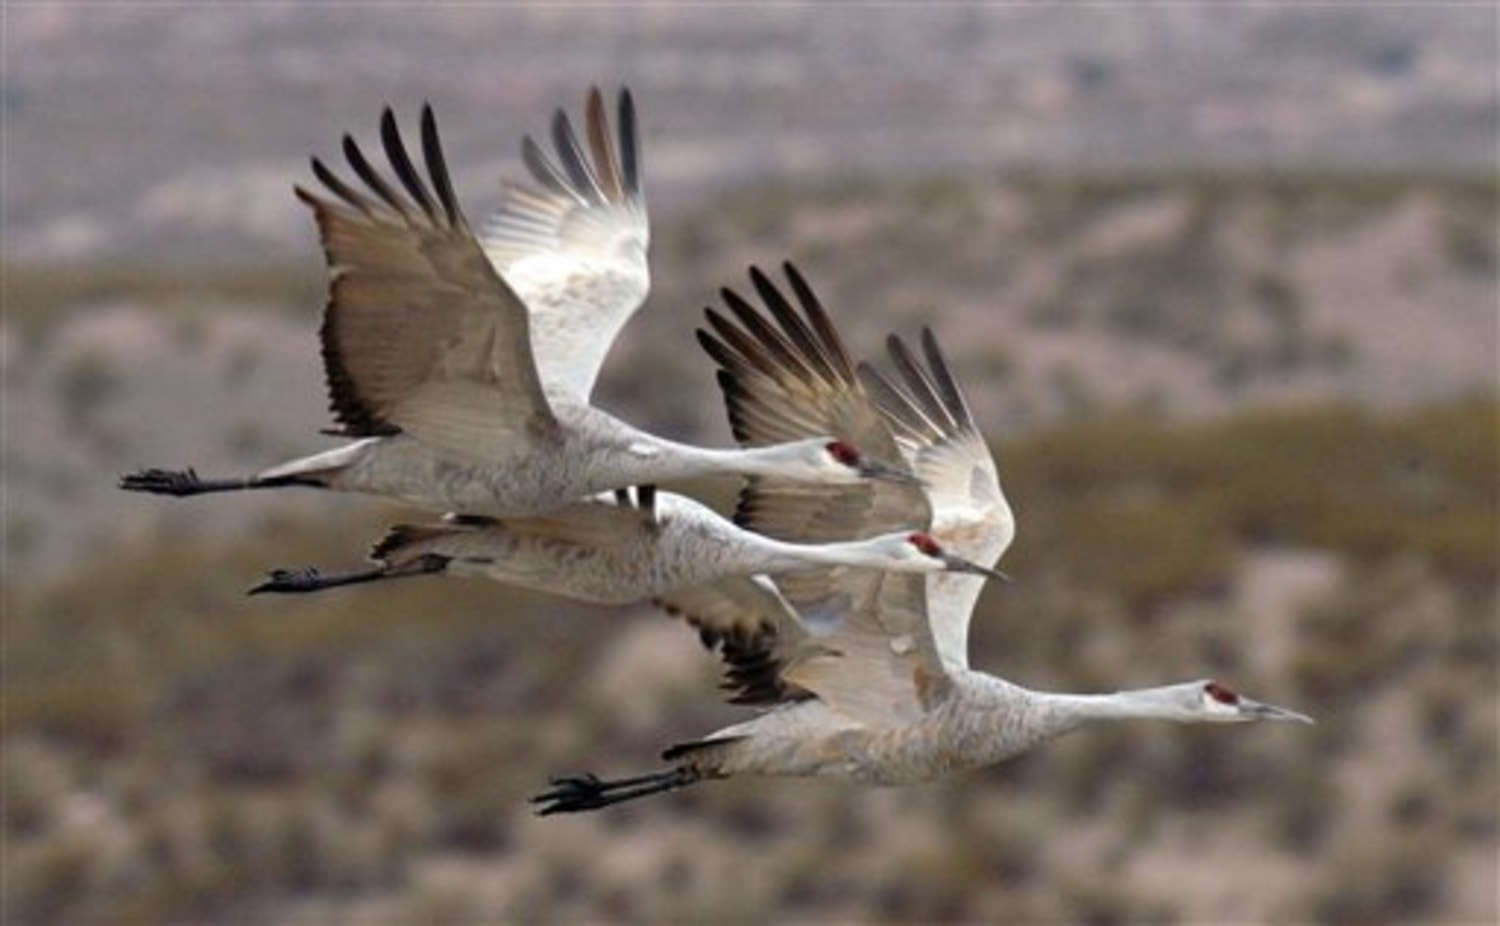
pixel 429 353
pixel 849 665
pixel 618 549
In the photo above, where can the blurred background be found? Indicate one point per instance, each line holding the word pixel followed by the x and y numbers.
pixel 1220 281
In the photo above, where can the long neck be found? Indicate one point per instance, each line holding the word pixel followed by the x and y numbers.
pixel 677 460
pixel 779 555
pixel 1000 719
pixel 1137 704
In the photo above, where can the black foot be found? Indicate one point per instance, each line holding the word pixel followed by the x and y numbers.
pixel 293 581
pixel 311 579
pixel 572 794
pixel 181 482
pixel 178 482
pixel 576 793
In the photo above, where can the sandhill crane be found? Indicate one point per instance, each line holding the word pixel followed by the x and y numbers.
pixel 429 353
pixel 852 671
pixel 616 549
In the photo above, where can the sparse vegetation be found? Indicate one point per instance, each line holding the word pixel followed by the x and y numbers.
pixel 39 298
pixel 175 750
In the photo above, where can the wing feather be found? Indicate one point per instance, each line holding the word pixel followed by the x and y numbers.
pixel 406 172
pixel 573 244
pixel 753 629
pixel 786 379
pixel 930 416
pixel 862 640
pixel 415 309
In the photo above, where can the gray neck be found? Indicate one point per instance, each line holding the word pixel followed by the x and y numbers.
pixel 676 460
pixel 1070 711
pixel 778 555
pixel 999 719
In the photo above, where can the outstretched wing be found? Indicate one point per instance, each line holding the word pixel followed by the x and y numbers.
pixel 786 376
pixel 573 246
pixel 863 639
pixel 420 334
pixel 971 517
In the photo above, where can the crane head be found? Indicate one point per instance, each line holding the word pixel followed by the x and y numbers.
pixel 921 552
pixel 844 456
pixel 1215 702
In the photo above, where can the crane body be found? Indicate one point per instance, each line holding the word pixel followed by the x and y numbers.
pixel 614 551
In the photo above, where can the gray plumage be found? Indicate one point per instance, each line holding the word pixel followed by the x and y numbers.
pixel 614 550
pixel 857 683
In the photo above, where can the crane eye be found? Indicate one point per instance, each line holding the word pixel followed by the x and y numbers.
pixel 926 544
pixel 844 452
pixel 1220 693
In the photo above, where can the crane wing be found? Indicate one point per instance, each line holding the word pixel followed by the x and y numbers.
pixel 930 417
pixel 865 647
pixel 752 627
pixel 420 334
pixel 573 245
pixel 786 376
pixel 878 663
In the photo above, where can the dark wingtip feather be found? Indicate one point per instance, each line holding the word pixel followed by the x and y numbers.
pixel 349 409
pixel 951 393
pixel 606 163
pixel 824 360
pixel 437 166
pixel 818 317
pixel 630 149
pixel 717 350
pixel 406 171
pixel 760 341
pixel 581 175
pixel 920 386
pixel 371 176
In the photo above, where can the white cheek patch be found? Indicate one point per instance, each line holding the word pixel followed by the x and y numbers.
pixel 903 644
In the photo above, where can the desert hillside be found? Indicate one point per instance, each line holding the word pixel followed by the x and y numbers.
pixel 1221 281
pixel 1249 427
pixel 1058 297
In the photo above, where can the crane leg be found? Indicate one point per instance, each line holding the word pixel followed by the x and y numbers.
pixel 184 482
pixel 310 579
pixel 577 793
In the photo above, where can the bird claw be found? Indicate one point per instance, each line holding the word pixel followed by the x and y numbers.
pixel 571 793
pixel 162 482
pixel 574 793
pixel 307 579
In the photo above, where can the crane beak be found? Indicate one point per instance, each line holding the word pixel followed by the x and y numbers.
pixel 959 564
pixel 874 469
pixel 1255 710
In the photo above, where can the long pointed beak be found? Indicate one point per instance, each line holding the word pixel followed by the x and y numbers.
pixel 874 469
pixel 959 564
pixel 1255 710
